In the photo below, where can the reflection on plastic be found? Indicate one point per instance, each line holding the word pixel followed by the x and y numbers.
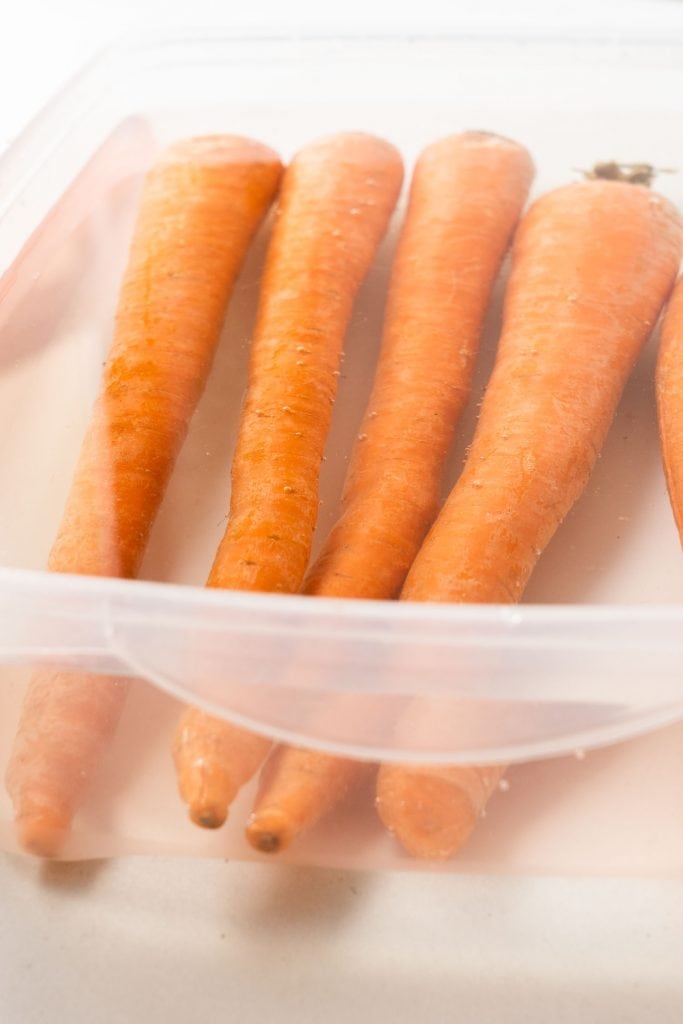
pixel 497 683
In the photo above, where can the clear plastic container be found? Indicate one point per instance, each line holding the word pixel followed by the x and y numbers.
pixel 591 657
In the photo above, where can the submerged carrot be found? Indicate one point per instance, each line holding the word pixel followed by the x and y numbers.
pixel 669 382
pixel 466 195
pixel 337 197
pixel 592 265
pixel 200 206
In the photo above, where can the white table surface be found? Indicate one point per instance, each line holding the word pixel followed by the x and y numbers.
pixel 154 940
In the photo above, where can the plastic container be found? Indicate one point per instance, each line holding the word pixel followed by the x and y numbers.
pixel 592 656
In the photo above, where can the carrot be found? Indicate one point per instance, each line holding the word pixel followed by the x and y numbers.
pixel 296 789
pixel 337 197
pixel 592 265
pixel 669 387
pixel 466 195
pixel 200 206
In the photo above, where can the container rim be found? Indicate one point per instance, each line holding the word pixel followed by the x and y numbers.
pixel 139 597
pixel 84 89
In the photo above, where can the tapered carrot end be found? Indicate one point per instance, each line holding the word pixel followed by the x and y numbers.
pixel 270 830
pixel 208 815
pixel 430 816
pixel 208 796
pixel 204 784
pixel 207 791
pixel 42 832
pixel 213 760
pixel 209 788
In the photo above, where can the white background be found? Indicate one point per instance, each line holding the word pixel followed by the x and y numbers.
pixel 178 941
pixel 43 43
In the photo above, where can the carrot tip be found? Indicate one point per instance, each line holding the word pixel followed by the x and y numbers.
pixel 42 832
pixel 207 817
pixel 268 842
pixel 269 831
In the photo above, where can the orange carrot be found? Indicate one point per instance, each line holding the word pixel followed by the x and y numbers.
pixel 434 810
pixel 592 265
pixel 336 201
pixel 200 206
pixel 466 195
pixel 298 787
pixel 669 380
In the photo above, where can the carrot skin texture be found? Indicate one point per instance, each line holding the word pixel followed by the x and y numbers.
pixel 467 193
pixel 199 210
pixel 466 196
pixel 200 206
pixel 593 264
pixel 669 387
pixel 336 201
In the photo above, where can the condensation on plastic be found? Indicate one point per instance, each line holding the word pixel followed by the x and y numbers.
pixel 594 654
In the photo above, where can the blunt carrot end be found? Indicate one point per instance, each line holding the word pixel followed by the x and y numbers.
pixel 42 832
pixel 443 818
pixel 433 810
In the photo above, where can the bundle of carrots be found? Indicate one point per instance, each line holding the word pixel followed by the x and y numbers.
pixel 592 265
